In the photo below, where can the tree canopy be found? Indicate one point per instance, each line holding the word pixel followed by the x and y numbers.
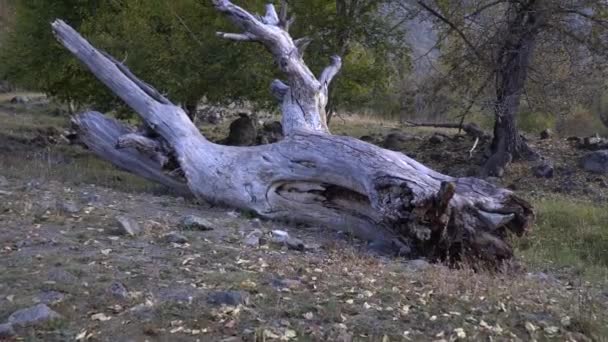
pixel 172 44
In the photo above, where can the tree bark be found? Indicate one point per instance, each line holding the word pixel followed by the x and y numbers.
pixel 513 62
pixel 310 176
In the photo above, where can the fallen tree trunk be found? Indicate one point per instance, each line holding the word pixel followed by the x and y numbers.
pixel 471 128
pixel 310 176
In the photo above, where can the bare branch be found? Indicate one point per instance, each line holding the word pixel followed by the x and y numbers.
pixel 136 93
pixel 302 44
pixel 239 37
pixel 331 71
pixel 279 89
pixel 283 13
pixel 453 26
pixel 271 17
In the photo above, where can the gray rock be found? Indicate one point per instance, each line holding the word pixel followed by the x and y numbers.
pixel 253 239
pixel 279 236
pixel 546 134
pixel 285 283
pixel 118 290
pixel 127 226
pixel 544 170
pixel 230 298
pixel 143 312
pixel 68 207
pixel 271 132
pixel 3 181
pixel 90 198
pixel 20 99
pixel 295 244
pixel 396 141
pixel 417 265
pixel 50 297
pixel 256 223
pixel 192 222
pixel 35 315
pixel 242 132
pixel 596 162
pixel 62 276
pixel 437 139
pixel 6 331
pixel 175 237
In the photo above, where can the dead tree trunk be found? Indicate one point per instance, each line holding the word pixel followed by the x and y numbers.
pixel 310 176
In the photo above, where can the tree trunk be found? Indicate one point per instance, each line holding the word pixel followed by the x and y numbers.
pixel 310 176
pixel 512 65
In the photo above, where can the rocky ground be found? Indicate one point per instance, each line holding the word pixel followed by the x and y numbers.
pixel 89 253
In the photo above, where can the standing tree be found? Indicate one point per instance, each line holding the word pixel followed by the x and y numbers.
pixel 506 41
pixel 310 176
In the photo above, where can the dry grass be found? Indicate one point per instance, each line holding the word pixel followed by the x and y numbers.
pixel 336 293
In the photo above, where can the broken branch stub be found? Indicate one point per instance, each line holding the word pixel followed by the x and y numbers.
pixel 310 176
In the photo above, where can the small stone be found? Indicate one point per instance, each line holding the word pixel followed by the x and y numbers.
pixel 192 222
pixel 547 133
pixel 175 237
pixel 127 226
pixel 437 139
pixel 397 141
pixel 530 327
pixel 460 333
pixel 256 223
pixel 253 239
pixel 68 207
pixel 551 330
pixel 544 170
pixel 279 236
pixel 143 312
pixel 417 265
pixel 596 162
pixel 62 276
pixel 50 297
pixel 295 244
pixel 229 298
pixel 286 283
pixel 20 99
pixel 35 315
pixel 6 331
pixel 118 290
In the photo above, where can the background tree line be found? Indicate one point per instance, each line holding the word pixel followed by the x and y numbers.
pixel 539 62
pixel 172 44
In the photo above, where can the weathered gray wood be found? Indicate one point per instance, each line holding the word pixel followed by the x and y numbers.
pixel 303 105
pixel 100 134
pixel 310 176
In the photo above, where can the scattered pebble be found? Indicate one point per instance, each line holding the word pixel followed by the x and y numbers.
pixel 230 298
pixel 127 226
pixel 118 290
pixel 175 237
pixel 32 316
pixel 193 222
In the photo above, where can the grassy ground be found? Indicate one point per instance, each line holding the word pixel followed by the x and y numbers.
pixel 338 292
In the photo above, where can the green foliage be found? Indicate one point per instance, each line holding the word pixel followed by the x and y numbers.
pixel 32 59
pixel 172 45
pixel 534 122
